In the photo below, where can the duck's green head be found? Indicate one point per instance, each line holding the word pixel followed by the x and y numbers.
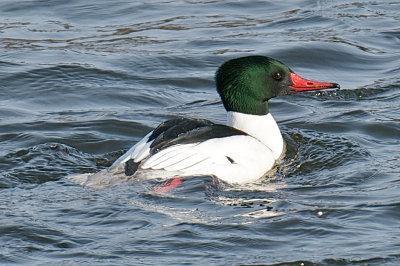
pixel 246 84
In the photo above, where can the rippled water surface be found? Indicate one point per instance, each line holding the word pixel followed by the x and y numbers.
pixel 82 81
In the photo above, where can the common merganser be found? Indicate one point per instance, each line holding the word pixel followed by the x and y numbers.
pixel 242 151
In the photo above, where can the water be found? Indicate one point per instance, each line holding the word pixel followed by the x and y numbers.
pixel 82 81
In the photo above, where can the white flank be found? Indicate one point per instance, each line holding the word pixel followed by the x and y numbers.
pixel 236 159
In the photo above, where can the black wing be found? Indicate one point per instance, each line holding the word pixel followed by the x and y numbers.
pixel 188 130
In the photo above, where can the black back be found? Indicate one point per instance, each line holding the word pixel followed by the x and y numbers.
pixel 188 130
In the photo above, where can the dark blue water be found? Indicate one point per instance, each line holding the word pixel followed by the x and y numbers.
pixel 82 81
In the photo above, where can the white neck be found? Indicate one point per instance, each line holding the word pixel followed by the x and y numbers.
pixel 261 127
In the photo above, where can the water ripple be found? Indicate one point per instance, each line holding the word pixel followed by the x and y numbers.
pixel 81 82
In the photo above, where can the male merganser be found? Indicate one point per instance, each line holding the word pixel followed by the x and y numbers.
pixel 242 151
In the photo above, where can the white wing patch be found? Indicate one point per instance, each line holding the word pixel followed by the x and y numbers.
pixel 234 159
pixel 168 156
pixel 140 149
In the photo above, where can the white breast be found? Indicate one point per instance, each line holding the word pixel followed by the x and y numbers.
pixel 262 127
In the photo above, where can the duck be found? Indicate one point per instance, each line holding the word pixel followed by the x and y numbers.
pixel 242 151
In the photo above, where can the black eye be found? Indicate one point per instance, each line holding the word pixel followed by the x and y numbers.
pixel 277 75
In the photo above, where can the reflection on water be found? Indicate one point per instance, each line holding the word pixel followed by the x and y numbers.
pixel 82 81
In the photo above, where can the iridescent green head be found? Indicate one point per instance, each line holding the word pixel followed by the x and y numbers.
pixel 246 84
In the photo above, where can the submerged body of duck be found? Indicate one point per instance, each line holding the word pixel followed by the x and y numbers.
pixel 242 151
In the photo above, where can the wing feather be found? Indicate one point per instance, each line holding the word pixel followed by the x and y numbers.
pixel 128 155
pixel 173 153
pixel 186 163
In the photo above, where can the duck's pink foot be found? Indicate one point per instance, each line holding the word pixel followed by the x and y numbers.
pixel 167 185
pixel 214 182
